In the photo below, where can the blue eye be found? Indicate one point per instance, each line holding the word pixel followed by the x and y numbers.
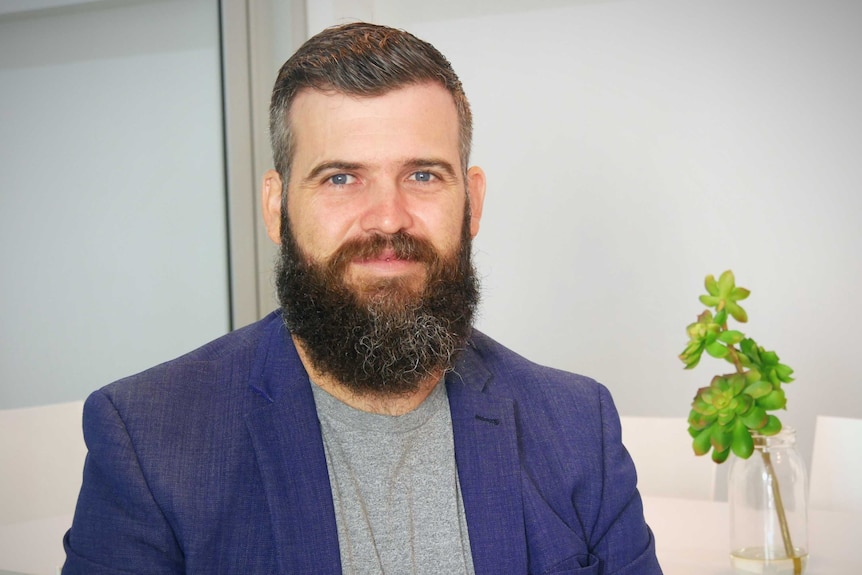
pixel 423 176
pixel 341 179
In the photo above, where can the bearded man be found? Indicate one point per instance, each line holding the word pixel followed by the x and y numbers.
pixel 365 427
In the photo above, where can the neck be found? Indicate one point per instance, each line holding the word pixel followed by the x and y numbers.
pixel 380 403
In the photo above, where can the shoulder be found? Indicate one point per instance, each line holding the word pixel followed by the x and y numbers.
pixel 548 402
pixel 221 359
pixel 512 373
pixel 210 381
pixel 171 415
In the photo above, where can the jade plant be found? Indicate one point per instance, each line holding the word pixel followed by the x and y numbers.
pixel 725 413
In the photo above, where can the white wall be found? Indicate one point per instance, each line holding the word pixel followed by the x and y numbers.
pixel 632 147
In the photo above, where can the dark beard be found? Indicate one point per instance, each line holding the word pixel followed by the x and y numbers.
pixel 386 338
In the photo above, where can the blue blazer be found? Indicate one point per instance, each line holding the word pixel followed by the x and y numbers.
pixel 214 463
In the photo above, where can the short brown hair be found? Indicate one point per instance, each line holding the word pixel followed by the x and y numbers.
pixel 360 59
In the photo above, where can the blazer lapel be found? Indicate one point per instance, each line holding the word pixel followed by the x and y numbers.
pixel 486 452
pixel 289 448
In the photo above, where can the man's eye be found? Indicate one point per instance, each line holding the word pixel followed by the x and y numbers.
pixel 341 179
pixel 422 176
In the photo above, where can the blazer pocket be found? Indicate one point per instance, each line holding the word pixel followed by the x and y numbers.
pixel 587 564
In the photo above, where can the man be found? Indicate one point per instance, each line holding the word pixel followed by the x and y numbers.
pixel 365 427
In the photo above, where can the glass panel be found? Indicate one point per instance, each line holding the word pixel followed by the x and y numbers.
pixel 112 210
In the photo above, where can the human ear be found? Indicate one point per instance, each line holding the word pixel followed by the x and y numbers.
pixel 271 190
pixel 476 192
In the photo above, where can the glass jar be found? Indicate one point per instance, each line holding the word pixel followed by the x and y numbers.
pixel 768 507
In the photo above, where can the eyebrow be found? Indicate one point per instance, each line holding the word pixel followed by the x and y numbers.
pixel 443 165
pixel 328 166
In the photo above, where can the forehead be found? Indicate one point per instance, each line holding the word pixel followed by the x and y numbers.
pixel 418 119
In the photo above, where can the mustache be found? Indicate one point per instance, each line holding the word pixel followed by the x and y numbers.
pixel 403 245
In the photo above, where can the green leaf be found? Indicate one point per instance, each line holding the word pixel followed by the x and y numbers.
pixel 731 336
pixel 720 438
pixel 693 346
pixel 699 421
pixel 717 350
pixel 772 426
pixel 690 356
pixel 755 418
pixel 720 456
pixel 736 311
pixel 743 445
pixel 726 282
pixel 758 389
pixel 773 378
pixel 784 372
pixel 739 293
pixel 709 300
pixel 775 400
pixel 721 317
pixel 737 383
pixel 725 417
pixel 695 330
pixel 749 348
pixel 711 285
pixel 703 408
pixel 744 403
pixel 752 375
pixel 701 443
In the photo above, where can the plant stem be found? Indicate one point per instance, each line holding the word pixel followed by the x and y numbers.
pixel 782 516
pixel 734 354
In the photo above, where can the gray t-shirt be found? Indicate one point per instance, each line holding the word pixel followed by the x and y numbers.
pixel 395 488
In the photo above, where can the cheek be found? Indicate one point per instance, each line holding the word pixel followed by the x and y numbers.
pixel 319 230
pixel 444 227
pixel 298 219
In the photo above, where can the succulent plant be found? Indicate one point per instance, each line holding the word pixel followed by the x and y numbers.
pixel 724 414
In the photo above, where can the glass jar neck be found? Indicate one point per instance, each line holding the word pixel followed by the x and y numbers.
pixel 784 438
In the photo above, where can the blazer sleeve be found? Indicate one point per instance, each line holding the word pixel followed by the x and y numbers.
pixel 118 526
pixel 625 542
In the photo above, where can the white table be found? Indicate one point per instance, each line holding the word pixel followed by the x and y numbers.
pixel 692 538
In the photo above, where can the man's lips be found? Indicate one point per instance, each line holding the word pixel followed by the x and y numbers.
pixel 386 255
pixel 386 261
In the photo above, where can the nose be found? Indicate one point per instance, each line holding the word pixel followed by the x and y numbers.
pixel 387 211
